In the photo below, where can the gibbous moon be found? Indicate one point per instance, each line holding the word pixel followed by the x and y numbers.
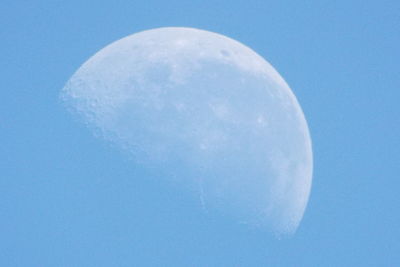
pixel 207 112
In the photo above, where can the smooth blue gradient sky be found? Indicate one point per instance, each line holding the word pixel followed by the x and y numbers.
pixel 68 199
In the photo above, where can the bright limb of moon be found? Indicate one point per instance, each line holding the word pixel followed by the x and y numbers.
pixel 206 111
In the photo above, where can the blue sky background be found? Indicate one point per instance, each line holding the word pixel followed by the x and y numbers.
pixel 68 199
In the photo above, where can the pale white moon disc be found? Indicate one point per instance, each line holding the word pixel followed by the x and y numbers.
pixel 206 111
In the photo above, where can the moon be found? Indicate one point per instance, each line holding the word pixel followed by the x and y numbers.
pixel 206 112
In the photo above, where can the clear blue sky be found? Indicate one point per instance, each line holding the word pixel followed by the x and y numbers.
pixel 68 199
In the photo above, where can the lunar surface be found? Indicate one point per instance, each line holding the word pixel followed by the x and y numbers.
pixel 204 111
